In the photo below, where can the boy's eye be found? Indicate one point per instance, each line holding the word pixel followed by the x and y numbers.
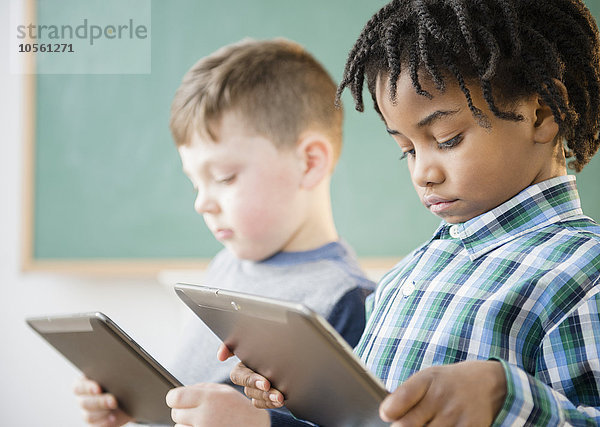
pixel 226 179
pixel 409 153
pixel 451 142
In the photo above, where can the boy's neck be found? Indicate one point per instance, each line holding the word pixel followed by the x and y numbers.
pixel 559 166
pixel 556 166
pixel 318 227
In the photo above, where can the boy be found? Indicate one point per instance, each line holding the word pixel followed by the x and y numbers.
pixel 496 318
pixel 258 134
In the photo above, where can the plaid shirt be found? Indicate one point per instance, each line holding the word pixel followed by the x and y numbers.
pixel 521 284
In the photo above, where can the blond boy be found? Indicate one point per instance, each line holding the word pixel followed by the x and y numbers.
pixel 259 135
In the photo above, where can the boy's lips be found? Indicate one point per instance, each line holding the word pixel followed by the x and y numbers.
pixel 223 233
pixel 437 204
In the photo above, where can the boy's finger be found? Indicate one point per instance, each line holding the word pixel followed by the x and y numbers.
pixel 421 414
pixel 404 397
pixel 180 416
pixel 262 404
pixel 272 397
pixel 184 397
pixel 101 402
pixel 245 377
pixel 223 353
pixel 111 421
pixel 97 417
pixel 254 393
pixel 173 398
pixel 84 386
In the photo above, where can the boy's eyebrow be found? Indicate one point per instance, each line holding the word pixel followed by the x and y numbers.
pixel 436 115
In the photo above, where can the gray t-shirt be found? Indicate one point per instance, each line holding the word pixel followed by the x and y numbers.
pixel 327 279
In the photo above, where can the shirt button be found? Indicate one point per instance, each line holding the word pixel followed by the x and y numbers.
pixel 408 289
pixel 454 232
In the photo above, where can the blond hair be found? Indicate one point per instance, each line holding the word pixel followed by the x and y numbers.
pixel 276 85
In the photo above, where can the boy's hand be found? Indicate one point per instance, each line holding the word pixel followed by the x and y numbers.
pixel 465 393
pixel 214 405
pixel 99 409
pixel 256 387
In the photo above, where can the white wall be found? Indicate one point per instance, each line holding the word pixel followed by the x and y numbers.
pixel 35 381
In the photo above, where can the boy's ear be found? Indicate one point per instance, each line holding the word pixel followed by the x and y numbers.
pixel 316 155
pixel 546 127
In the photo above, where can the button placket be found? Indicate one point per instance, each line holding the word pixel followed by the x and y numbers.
pixel 408 288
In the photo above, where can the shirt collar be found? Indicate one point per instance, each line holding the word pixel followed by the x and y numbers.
pixel 331 250
pixel 535 207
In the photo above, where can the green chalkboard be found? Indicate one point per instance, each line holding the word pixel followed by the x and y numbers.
pixel 107 182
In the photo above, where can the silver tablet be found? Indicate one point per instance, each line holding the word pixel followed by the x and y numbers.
pixel 104 353
pixel 297 350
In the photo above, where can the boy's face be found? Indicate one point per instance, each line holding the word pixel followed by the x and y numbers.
pixel 459 168
pixel 248 189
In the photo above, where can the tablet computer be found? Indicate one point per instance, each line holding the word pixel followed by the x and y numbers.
pixel 106 354
pixel 297 350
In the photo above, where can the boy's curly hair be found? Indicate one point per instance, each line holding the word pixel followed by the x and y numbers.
pixel 511 48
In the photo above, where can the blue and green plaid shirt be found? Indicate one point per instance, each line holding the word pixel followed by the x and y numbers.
pixel 521 284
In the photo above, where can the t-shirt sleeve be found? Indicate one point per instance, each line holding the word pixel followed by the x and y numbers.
pixel 348 315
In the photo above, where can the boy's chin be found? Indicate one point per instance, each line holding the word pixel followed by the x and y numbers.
pixel 454 217
pixel 249 254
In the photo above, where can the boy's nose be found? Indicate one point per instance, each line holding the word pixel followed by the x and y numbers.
pixel 205 204
pixel 426 172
